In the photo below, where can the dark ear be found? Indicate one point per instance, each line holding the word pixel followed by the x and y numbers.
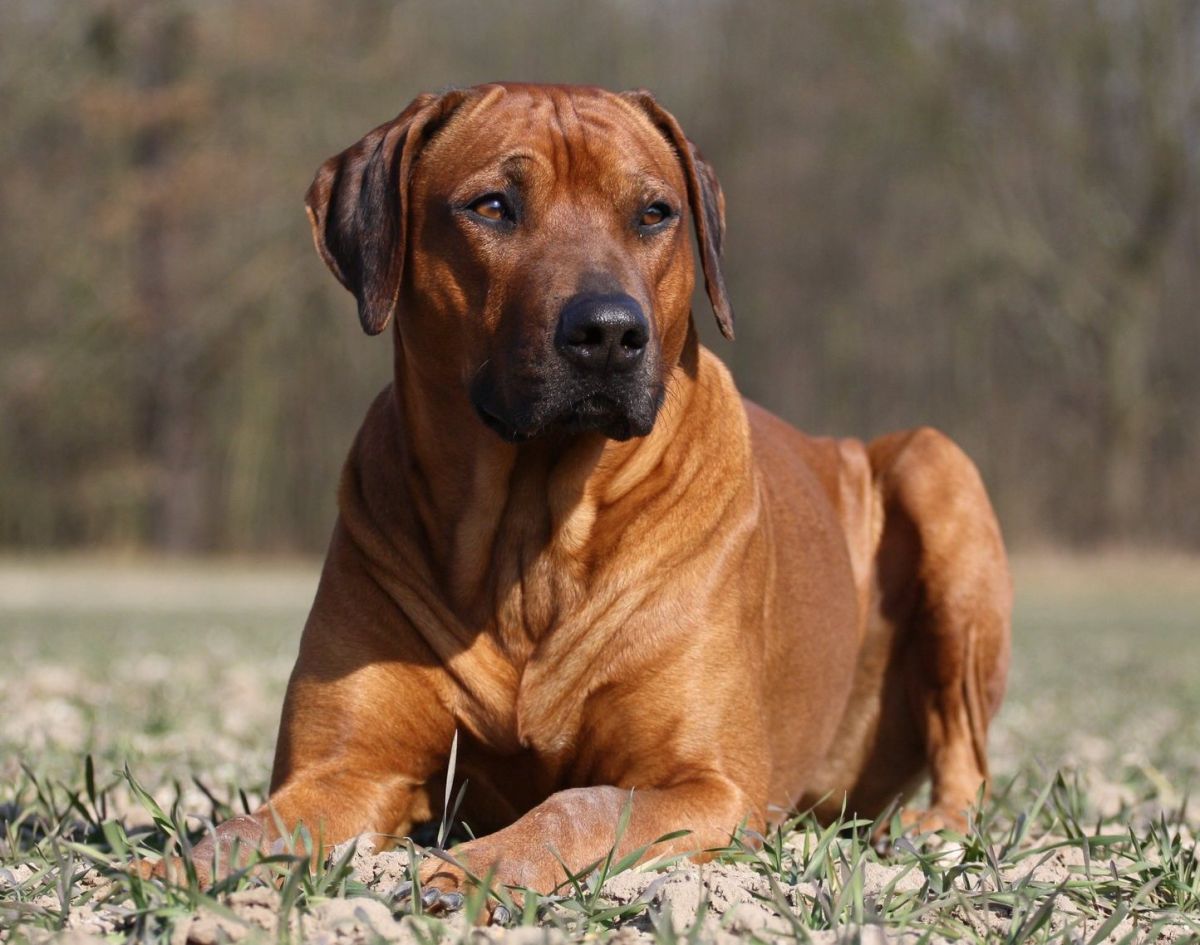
pixel 358 206
pixel 706 200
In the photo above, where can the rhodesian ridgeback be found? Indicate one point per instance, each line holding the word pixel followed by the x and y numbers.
pixel 564 535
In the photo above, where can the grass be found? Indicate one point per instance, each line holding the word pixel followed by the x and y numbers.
pixel 139 704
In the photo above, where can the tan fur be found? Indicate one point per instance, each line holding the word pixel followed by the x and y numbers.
pixel 726 617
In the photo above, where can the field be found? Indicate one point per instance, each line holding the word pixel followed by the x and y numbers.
pixel 174 674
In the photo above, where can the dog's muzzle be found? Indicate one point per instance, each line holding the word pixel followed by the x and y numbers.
pixel 601 375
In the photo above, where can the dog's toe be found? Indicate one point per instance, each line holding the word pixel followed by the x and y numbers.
pixel 450 902
pixel 433 901
pixel 926 828
pixel 934 820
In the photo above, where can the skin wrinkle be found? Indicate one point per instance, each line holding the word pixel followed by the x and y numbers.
pixel 635 467
pixel 409 585
pixel 435 507
pixel 483 710
pixel 562 141
pixel 475 536
pixel 581 132
pixel 573 649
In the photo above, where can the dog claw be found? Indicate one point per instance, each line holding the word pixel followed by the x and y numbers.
pixel 451 902
pixel 501 916
pixel 432 899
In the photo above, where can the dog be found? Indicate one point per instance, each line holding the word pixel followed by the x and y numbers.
pixel 564 536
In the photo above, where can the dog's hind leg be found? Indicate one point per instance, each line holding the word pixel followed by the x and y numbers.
pixel 943 580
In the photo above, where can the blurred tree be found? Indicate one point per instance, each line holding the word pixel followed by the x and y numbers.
pixel 987 220
pixel 160 47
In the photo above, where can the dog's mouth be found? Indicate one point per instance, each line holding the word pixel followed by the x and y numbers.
pixel 596 412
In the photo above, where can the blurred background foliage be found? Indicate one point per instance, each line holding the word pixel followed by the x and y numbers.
pixel 978 216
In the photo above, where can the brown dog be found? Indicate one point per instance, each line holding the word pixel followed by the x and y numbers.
pixel 564 535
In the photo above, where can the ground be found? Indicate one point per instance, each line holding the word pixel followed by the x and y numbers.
pixel 132 695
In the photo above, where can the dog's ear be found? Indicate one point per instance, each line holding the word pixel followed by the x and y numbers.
pixel 706 200
pixel 358 206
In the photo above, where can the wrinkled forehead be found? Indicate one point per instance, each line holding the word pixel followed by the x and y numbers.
pixel 586 137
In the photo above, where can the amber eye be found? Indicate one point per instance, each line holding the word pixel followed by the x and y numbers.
pixel 654 214
pixel 492 207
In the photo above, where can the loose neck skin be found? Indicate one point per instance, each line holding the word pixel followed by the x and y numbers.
pixel 477 500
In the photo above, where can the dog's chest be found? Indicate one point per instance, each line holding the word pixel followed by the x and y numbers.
pixel 521 707
pixel 545 611
pixel 515 676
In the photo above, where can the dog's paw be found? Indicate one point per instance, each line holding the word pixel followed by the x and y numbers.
pixel 173 871
pixel 446 888
pixel 144 869
pixel 434 900
pixel 228 848
pixel 934 820
pixel 927 828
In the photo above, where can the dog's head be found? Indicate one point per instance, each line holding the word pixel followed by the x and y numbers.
pixel 532 243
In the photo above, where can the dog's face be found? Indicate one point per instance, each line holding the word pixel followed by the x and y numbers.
pixel 534 241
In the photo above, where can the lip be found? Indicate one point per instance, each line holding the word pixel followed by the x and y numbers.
pixel 501 427
pixel 594 412
pixel 597 412
pixel 593 406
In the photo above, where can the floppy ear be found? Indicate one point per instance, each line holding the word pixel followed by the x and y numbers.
pixel 706 200
pixel 358 206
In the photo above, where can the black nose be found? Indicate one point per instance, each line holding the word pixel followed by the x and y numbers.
pixel 602 334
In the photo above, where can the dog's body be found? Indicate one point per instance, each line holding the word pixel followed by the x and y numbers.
pixel 565 536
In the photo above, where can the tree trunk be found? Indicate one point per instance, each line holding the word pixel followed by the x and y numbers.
pixel 169 410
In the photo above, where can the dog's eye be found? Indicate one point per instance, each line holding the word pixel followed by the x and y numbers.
pixel 654 214
pixel 492 207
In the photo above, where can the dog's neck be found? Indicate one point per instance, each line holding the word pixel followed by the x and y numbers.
pixel 476 503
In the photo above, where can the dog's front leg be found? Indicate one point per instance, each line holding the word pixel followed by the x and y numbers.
pixel 577 828
pixel 318 808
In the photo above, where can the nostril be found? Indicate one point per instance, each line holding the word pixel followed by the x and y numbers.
pixel 602 334
pixel 634 339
